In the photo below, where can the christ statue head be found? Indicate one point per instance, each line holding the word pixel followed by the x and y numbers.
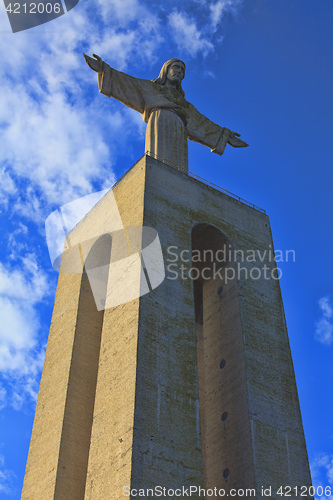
pixel 172 74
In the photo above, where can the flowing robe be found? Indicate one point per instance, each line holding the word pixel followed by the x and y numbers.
pixel 171 120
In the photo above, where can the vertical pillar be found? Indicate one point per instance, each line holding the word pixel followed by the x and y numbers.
pixel 60 442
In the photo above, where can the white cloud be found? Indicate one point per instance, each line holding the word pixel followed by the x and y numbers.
pixel 7 186
pixel 27 283
pixel 3 398
pixel 324 331
pixel 324 326
pixel 322 474
pixel 210 74
pixel 53 144
pixel 6 478
pixel 21 355
pixel 326 307
pixel 56 138
pixel 126 12
pixel 195 40
pixel 187 35
pixel 17 241
pixel 220 8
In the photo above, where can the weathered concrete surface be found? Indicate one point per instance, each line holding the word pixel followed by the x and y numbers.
pixel 146 427
pixel 77 349
pixel 41 470
pixel 175 203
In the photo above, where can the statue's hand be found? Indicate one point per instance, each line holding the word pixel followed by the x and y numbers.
pixel 235 141
pixel 96 64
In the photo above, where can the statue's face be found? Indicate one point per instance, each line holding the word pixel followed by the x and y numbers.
pixel 176 73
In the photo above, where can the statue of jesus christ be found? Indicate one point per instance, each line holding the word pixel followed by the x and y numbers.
pixel 171 119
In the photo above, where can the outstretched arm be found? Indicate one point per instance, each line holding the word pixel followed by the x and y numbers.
pixel 125 88
pixel 201 129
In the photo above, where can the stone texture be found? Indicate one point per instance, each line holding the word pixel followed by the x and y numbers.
pixel 160 356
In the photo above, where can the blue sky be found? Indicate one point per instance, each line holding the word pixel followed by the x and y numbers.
pixel 261 67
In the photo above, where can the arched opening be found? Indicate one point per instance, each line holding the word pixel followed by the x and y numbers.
pixel 225 432
pixel 80 399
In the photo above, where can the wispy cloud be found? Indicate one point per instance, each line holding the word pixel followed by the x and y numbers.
pixel 6 478
pixel 322 474
pixel 187 34
pixel 60 138
pixel 7 187
pixel 324 326
pixel 57 151
pixel 220 8
pixel 3 397
pixel 193 29
pixel 21 352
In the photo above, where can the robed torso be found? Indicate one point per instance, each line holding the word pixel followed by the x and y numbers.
pixel 171 120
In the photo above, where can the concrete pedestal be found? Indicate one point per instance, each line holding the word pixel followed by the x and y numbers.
pixel 191 384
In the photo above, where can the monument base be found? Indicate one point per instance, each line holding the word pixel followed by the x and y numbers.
pixel 189 385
